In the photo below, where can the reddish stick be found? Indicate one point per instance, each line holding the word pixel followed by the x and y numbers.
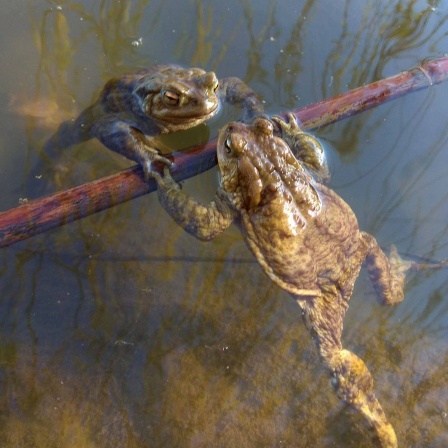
pixel 61 208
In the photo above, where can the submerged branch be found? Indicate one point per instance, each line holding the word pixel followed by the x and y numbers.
pixel 61 208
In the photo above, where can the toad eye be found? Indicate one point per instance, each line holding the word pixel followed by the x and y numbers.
pixel 228 145
pixel 171 98
pixel 216 87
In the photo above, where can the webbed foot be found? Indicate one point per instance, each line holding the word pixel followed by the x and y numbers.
pixel 287 128
pixel 152 155
pixel 165 182
pixel 398 266
pixel 353 383
pixel 424 266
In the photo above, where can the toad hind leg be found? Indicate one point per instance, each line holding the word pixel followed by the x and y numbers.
pixel 350 377
pixel 70 132
pixel 388 273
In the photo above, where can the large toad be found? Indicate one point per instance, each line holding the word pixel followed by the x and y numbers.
pixel 305 237
pixel 135 108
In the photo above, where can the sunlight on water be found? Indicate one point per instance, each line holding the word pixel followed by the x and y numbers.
pixel 120 330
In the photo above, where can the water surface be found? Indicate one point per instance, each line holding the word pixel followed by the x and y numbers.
pixel 121 330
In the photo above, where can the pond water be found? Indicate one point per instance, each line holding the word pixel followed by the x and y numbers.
pixel 120 330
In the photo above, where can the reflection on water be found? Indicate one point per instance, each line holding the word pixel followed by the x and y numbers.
pixel 123 331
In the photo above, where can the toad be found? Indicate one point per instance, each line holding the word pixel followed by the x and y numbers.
pixel 135 108
pixel 305 237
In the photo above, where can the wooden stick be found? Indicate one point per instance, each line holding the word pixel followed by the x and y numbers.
pixel 61 208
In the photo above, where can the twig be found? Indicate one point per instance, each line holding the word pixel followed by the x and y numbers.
pixel 61 208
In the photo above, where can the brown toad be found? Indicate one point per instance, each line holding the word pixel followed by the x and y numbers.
pixel 139 106
pixel 305 237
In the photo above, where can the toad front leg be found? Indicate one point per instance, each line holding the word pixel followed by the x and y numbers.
pixel 305 147
pixel 234 91
pixel 116 135
pixel 202 221
pixel 127 141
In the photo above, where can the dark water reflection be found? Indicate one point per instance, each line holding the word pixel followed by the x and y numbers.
pixel 123 331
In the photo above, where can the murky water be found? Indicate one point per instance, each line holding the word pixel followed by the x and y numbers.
pixel 121 330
